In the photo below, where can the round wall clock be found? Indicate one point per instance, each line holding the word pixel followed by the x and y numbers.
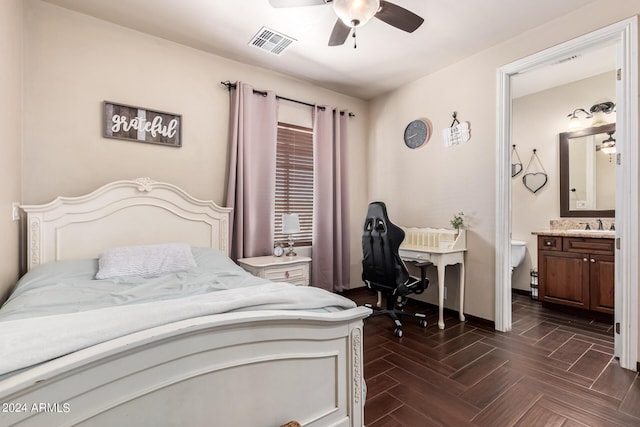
pixel 417 133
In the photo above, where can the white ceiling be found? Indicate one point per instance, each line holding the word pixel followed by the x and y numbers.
pixel 384 59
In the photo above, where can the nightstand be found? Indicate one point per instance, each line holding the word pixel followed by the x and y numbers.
pixel 294 270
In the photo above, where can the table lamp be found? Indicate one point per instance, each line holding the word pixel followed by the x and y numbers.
pixel 290 226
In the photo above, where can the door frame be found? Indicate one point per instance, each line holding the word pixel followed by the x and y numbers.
pixel 624 35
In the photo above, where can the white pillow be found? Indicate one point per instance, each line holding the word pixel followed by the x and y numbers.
pixel 148 260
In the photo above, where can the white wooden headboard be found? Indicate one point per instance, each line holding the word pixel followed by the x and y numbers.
pixel 122 213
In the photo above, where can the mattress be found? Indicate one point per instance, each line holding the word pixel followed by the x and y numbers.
pixel 58 308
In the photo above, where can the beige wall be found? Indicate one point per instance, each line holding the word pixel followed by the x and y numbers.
pixel 537 120
pixel 436 181
pixel 73 62
pixel 11 125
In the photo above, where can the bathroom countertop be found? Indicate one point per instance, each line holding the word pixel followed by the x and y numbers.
pixel 596 234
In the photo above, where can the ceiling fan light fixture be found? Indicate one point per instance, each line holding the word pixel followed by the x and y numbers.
pixel 356 13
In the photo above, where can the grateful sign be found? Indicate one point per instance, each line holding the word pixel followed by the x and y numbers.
pixel 141 124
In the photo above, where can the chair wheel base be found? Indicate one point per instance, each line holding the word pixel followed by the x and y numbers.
pixel 397 332
pixel 422 323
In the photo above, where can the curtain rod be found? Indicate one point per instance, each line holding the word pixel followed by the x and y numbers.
pixel 230 86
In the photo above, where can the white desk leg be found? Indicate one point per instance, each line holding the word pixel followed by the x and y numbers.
pixel 441 269
pixel 461 291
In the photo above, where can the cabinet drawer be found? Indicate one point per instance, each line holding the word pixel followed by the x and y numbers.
pixel 587 245
pixel 279 269
pixel 550 243
pixel 296 274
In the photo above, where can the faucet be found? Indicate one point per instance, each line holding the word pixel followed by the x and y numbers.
pixel 599 224
pixel 586 225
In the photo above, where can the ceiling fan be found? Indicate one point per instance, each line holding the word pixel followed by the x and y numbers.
pixel 354 14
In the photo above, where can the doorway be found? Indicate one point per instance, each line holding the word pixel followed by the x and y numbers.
pixel 625 37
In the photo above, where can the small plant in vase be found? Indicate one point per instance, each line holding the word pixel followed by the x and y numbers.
pixel 458 221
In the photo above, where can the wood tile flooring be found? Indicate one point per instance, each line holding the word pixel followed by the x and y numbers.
pixel 551 370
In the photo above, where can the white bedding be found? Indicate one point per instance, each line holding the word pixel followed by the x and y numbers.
pixel 53 313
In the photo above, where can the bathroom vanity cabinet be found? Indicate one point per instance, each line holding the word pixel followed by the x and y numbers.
pixel 577 272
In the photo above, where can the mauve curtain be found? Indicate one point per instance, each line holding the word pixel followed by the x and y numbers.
pixel 252 170
pixel 331 257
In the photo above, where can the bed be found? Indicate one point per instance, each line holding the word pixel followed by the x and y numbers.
pixel 286 353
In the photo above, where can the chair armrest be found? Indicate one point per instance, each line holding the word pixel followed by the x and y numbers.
pixel 424 282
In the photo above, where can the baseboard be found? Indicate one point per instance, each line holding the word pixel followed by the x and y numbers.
pixel 521 292
pixel 454 313
pixel 580 312
pixel 479 321
pixel 363 290
pixel 355 291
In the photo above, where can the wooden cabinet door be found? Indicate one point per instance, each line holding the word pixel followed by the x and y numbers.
pixel 602 279
pixel 564 278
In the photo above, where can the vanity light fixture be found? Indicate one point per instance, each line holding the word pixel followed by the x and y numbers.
pixel 608 146
pixel 599 110
pixel 574 120
pixel 596 112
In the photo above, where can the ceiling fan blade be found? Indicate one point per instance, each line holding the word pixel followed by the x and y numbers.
pixel 339 34
pixel 296 3
pixel 399 17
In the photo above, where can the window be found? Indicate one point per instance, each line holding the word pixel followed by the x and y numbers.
pixel 294 180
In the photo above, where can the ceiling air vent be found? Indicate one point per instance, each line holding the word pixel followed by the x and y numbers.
pixel 567 59
pixel 271 41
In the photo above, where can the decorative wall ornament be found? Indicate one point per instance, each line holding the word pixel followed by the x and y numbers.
pixel 534 181
pixel 142 125
pixel 457 133
pixel 516 163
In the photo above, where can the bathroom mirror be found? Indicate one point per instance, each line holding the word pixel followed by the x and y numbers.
pixel 587 172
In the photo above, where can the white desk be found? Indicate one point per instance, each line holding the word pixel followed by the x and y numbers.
pixel 441 248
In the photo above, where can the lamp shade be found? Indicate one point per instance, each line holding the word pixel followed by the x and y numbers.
pixel 608 146
pixel 355 13
pixel 610 149
pixel 290 223
pixel 574 124
pixel 574 121
pixel 599 119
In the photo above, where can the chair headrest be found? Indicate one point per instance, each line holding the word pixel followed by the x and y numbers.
pixel 376 217
pixel 377 210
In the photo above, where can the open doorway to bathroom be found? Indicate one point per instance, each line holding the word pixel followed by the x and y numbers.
pixel 623 36
pixel 542 101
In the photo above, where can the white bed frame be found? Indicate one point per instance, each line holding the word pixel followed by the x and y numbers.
pixel 261 368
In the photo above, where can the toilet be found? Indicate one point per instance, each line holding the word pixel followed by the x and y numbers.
pixel 518 249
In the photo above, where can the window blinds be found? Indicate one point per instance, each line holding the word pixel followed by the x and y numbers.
pixel 294 180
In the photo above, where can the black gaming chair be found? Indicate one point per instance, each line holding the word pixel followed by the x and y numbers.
pixel 384 271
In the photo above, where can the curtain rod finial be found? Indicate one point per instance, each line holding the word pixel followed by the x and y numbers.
pixel 228 84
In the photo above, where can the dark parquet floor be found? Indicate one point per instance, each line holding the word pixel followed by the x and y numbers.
pixel 550 370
